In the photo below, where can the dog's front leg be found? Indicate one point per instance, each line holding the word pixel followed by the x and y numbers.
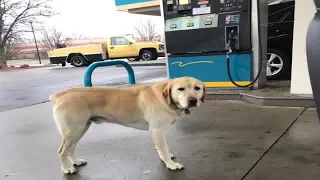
pixel 159 138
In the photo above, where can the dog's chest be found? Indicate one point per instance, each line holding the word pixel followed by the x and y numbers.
pixel 139 124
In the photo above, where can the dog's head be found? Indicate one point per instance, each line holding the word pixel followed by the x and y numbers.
pixel 184 92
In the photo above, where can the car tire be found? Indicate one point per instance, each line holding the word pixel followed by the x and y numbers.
pixel 78 61
pixel 146 55
pixel 278 65
pixel 134 59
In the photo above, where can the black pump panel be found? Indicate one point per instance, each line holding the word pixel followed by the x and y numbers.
pixel 198 26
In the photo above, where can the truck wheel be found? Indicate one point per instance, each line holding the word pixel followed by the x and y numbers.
pixel 78 61
pixel 146 55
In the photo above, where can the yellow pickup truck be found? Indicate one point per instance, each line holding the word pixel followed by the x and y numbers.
pixel 117 47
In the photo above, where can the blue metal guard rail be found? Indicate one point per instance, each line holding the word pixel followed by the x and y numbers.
pixel 91 67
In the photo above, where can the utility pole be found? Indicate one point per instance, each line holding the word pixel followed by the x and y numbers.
pixel 35 41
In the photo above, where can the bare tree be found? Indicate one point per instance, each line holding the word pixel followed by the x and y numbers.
pixel 52 38
pixel 146 30
pixel 68 40
pixel 15 18
pixel 13 46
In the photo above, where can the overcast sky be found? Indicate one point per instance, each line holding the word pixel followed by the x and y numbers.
pixel 95 18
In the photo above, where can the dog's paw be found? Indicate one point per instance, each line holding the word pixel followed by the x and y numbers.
pixel 70 170
pixel 174 166
pixel 79 162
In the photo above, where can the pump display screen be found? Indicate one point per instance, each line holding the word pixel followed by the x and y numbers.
pixel 183 2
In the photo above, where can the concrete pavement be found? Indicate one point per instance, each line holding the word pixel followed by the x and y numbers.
pixel 222 140
pixel 296 156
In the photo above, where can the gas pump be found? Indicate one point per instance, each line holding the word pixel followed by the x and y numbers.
pixel 221 42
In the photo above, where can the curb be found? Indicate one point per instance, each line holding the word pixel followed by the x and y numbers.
pixel 231 96
pixel 306 102
pixel 30 67
pixel 47 65
pixel 145 64
pixel 278 101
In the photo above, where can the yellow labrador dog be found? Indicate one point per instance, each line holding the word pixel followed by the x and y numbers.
pixel 146 107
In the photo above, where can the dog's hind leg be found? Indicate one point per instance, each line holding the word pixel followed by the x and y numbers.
pixel 71 127
pixel 72 156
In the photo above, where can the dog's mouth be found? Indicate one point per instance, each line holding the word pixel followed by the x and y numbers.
pixel 184 109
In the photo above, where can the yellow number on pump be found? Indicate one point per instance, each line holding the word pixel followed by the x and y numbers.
pixel 208 23
pixel 190 24
pixel 173 26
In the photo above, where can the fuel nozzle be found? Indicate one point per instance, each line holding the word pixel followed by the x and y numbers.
pixel 231 41
pixel 231 34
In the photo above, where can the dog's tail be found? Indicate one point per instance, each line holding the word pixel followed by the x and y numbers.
pixel 54 97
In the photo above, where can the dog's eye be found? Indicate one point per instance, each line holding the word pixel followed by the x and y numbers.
pixel 181 89
pixel 197 88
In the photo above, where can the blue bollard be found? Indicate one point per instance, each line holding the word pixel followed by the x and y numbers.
pixel 91 67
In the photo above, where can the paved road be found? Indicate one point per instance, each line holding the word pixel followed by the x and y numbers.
pixel 32 86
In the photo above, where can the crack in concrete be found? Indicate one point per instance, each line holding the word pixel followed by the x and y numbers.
pixel 273 144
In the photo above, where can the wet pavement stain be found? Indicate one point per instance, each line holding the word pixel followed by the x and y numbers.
pixel 303 159
pixel 21 98
pixel 205 156
pixel 224 138
pixel 234 155
pixel 234 110
pixel 245 145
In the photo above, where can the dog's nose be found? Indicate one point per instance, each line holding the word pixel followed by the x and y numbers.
pixel 192 102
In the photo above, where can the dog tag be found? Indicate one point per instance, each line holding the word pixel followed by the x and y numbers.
pixel 187 111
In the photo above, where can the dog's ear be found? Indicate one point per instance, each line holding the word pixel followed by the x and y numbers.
pixel 167 93
pixel 203 93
